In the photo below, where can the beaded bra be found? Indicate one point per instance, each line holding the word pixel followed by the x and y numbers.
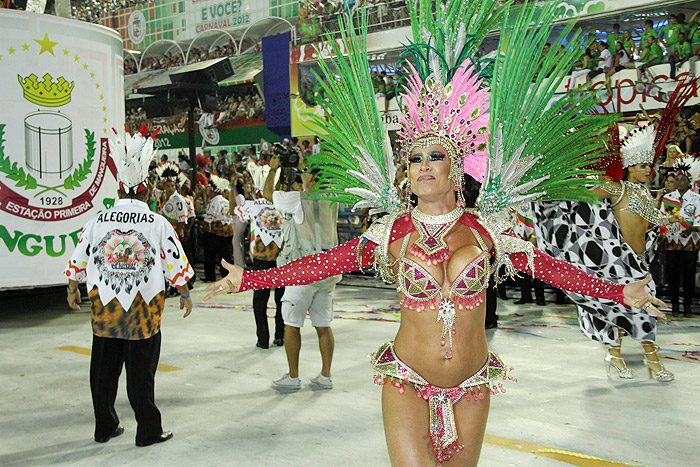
pixel 422 291
pixel 639 201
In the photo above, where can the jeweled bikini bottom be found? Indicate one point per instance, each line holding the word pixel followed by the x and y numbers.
pixel 443 431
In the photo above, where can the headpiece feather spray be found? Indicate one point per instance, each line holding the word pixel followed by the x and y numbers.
pixel 219 184
pixel 168 171
pixel 132 156
pixel 688 166
pixel 356 165
pixel 540 148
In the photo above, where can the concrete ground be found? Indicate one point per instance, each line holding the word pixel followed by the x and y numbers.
pixel 215 394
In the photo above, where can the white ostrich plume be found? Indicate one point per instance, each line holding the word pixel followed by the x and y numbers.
pixel 132 155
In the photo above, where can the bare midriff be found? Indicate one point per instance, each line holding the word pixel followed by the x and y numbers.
pixel 632 226
pixel 418 341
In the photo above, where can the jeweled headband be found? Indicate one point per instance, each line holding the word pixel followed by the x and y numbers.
pixel 638 147
pixel 454 116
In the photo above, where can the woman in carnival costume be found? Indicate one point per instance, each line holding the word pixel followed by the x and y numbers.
pixel 614 239
pixel 440 252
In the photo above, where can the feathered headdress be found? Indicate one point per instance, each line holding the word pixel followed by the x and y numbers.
pixel 168 172
pixel 219 184
pixel 454 116
pixel 646 144
pixel 182 180
pixel 356 162
pixel 638 147
pixel 688 166
pixel 132 156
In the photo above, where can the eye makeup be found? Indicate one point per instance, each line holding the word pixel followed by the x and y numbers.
pixel 434 156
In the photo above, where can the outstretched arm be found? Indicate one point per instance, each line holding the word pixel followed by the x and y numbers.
pixel 566 276
pixel 350 256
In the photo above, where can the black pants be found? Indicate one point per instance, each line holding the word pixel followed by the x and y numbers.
pixel 216 248
pixel 141 359
pixel 681 262
pixel 526 284
pixel 189 252
pixel 260 298
pixel 491 304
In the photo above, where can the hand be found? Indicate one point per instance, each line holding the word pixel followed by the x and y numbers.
pixel 73 300
pixel 637 296
pixel 229 284
pixel 186 303
pixel 275 162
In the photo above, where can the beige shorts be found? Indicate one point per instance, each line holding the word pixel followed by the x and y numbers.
pixel 316 299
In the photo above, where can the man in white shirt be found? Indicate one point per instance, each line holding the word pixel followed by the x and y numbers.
pixel 126 254
pixel 605 60
pixel 310 226
pixel 681 242
pixel 218 229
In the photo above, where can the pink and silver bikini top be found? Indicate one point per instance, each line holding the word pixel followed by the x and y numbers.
pixel 421 290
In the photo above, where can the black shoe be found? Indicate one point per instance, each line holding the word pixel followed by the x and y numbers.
pixel 166 435
pixel 503 296
pixel 119 430
pixel 523 301
pixel 675 309
pixel 262 346
pixel 278 342
pixel 541 302
pixel 492 325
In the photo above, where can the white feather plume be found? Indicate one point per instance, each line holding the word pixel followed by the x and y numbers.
pixel 132 155
pixel 221 184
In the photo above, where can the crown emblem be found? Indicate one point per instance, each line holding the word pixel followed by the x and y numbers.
pixel 46 93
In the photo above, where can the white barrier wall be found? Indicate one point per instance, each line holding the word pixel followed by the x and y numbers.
pixel 61 96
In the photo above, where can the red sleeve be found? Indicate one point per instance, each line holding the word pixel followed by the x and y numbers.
pixel 339 260
pixel 566 276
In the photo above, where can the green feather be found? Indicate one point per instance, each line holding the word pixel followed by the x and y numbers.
pixel 351 118
pixel 568 136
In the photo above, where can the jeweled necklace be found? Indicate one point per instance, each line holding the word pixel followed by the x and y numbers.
pixel 431 246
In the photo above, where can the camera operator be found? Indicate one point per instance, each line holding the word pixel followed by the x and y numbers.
pixel 289 158
pixel 310 226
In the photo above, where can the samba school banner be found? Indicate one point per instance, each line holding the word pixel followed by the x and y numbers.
pixel 62 94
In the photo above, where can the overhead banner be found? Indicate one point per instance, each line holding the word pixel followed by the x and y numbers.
pixel 63 81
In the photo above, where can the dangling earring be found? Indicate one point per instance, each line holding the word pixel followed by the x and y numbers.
pixel 457 175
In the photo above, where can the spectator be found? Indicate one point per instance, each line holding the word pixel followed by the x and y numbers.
pixel 628 44
pixel 184 165
pixel 305 149
pixel 673 152
pixel 621 59
pixel 222 164
pixel 652 55
pixel 316 148
pixel 584 69
pixel 648 32
pixel 681 54
pixel 605 59
pixel 684 135
pixel 684 27
pixel 669 34
pixel 613 37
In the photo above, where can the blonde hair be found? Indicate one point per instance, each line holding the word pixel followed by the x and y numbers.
pixel 676 147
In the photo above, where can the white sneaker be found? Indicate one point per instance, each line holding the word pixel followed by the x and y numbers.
pixel 322 381
pixel 286 383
